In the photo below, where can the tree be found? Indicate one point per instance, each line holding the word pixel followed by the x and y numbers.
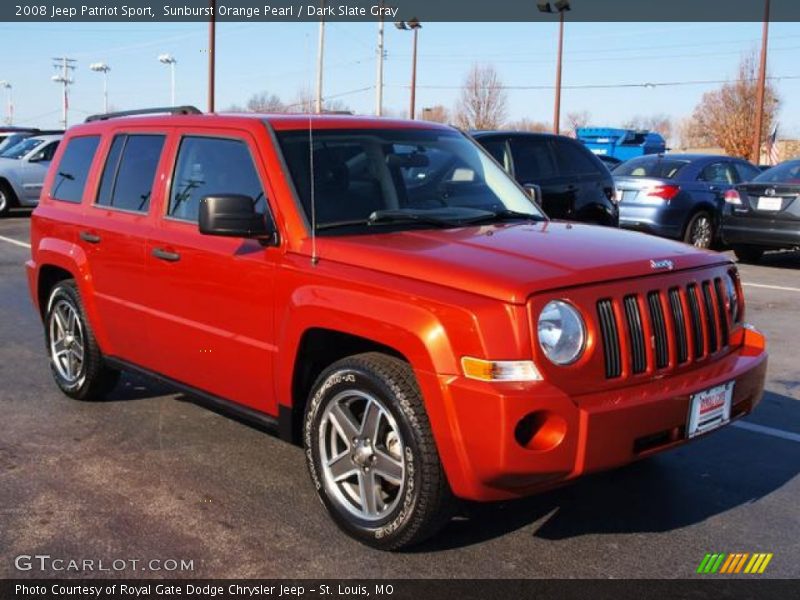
pixel 660 123
pixel 436 114
pixel 726 117
pixel 306 102
pixel 576 120
pixel 264 102
pixel 483 101
pixel 530 125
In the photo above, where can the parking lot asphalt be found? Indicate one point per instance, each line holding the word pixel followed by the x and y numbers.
pixel 150 474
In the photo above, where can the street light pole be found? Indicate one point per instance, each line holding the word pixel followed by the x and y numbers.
pixel 379 82
pixel 414 26
pixel 100 67
pixel 561 6
pixel 320 55
pixel 168 59
pixel 212 43
pixel 755 155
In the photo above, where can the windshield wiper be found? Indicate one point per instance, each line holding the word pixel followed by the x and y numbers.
pixel 385 217
pixel 512 215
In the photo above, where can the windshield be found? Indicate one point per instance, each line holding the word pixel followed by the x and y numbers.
pixel 788 172
pixel 417 177
pixel 22 148
pixel 11 140
pixel 651 166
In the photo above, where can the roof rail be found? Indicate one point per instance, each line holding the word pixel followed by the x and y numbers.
pixel 171 110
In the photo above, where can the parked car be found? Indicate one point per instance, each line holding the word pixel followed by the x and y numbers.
pixel 9 138
pixel 764 214
pixel 575 185
pixel 425 338
pixel 678 196
pixel 23 167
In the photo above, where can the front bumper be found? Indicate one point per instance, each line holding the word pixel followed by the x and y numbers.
pixel 578 435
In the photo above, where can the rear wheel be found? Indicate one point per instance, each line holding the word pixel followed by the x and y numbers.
pixel 7 199
pixel 75 360
pixel 371 454
pixel 748 254
pixel 700 231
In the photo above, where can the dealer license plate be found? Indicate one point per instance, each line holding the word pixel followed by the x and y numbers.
pixel 710 409
pixel 770 203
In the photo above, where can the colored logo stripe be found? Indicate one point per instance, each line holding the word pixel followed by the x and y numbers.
pixel 734 563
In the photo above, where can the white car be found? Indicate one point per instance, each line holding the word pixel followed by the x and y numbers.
pixel 23 167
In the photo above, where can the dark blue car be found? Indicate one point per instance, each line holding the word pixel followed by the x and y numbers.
pixel 679 196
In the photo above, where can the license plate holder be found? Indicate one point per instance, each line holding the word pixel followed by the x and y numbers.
pixel 709 409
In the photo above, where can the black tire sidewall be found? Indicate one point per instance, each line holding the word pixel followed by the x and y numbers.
pixel 337 379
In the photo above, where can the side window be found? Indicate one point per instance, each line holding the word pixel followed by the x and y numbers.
pixel 719 172
pixel 46 153
pixel 130 169
pixel 574 160
pixel 70 178
pixel 499 151
pixel 746 171
pixel 208 166
pixel 533 160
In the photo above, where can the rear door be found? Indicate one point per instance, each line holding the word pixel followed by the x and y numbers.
pixel 211 299
pixel 113 235
pixel 594 187
pixel 535 162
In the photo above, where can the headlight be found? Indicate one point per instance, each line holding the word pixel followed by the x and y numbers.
pixel 733 298
pixel 562 333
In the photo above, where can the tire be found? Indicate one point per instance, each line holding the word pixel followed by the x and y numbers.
pixel 398 461
pixel 748 254
pixel 700 231
pixel 7 199
pixel 75 359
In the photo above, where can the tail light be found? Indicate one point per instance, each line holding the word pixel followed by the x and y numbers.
pixel 732 197
pixel 665 192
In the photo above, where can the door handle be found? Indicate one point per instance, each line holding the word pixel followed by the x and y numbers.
pixel 88 236
pixel 166 255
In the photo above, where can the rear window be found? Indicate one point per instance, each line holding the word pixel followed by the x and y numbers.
pixel 788 172
pixel 72 171
pixel 130 169
pixel 651 166
pixel 574 159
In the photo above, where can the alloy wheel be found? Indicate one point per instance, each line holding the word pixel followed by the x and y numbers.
pixel 701 232
pixel 66 341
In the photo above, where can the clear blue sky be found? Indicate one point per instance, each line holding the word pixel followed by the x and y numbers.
pixel 280 58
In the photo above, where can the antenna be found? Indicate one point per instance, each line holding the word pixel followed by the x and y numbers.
pixel 314 256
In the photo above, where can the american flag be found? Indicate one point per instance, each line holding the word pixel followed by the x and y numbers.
pixel 773 155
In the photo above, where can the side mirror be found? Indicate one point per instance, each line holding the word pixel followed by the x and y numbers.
pixel 535 192
pixel 38 157
pixel 233 215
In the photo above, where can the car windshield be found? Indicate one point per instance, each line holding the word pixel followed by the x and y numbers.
pixel 22 148
pixel 401 177
pixel 788 172
pixel 10 140
pixel 651 166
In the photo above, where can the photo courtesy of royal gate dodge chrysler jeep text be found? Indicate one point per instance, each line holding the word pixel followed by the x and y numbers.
pixel 439 338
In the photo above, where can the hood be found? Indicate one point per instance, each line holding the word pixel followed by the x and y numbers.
pixel 509 262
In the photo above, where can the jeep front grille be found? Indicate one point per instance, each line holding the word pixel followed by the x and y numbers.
pixel 659 325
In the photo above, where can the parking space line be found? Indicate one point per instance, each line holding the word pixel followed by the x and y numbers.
pixel 778 433
pixel 15 242
pixel 771 287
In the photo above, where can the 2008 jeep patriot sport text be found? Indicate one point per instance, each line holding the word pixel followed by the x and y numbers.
pixel 439 338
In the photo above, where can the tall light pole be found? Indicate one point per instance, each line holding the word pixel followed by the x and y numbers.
pixel 212 43
pixel 168 59
pixel 66 65
pixel 379 78
pixel 101 67
pixel 561 6
pixel 755 155
pixel 414 26
pixel 320 55
pixel 10 110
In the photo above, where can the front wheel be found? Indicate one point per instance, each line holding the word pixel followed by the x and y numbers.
pixel 700 231
pixel 7 199
pixel 371 454
pixel 75 360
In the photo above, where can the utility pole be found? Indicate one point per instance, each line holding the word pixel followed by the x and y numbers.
pixel 320 55
pixel 559 6
pixel 379 82
pixel 414 26
pixel 10 116
pixel 755 155
pixel 212 39
pixel 66 66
